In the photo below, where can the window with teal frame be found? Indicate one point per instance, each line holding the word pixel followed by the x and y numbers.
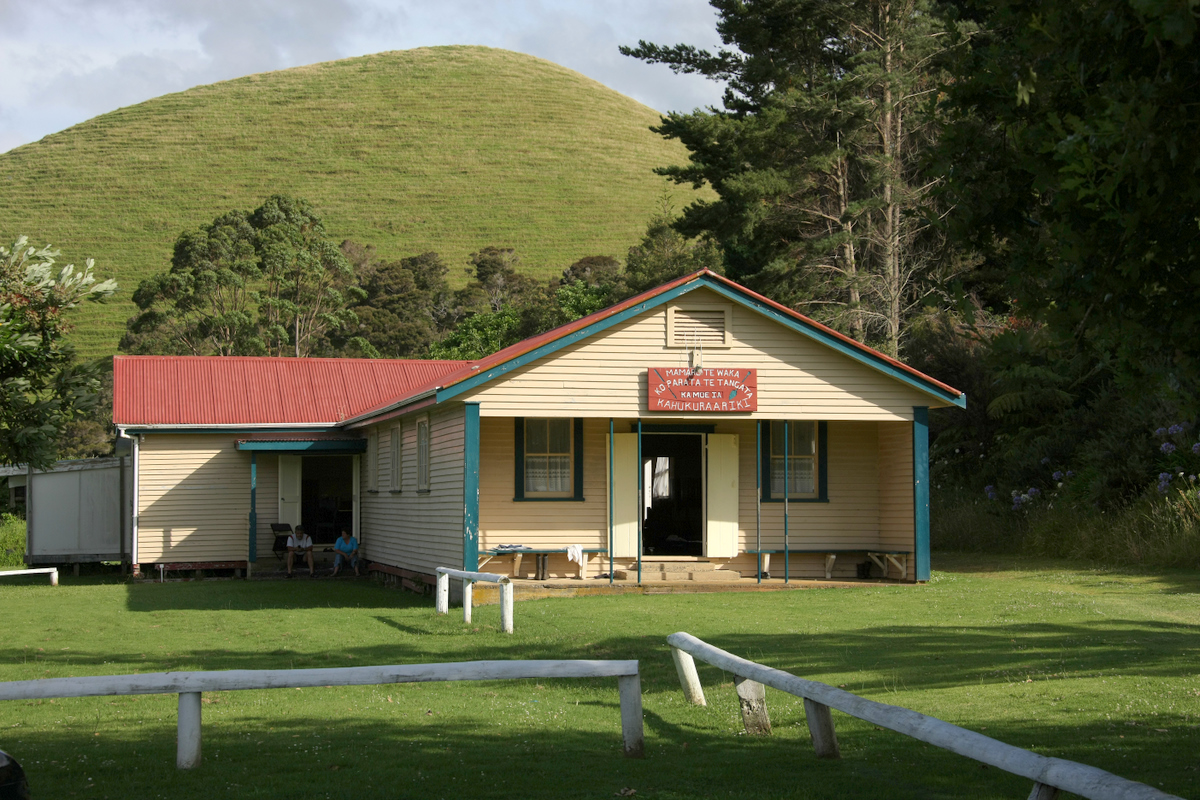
pixel 548 462
pixel 805 452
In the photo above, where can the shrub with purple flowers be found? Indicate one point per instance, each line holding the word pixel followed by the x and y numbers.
pixel 1175 448
pixel 1021 499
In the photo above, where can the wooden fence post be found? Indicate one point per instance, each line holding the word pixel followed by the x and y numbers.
pixel 442 603
pixel 630 688
pixel 506 612
pixel 187 749
pixel 820 726
pixel 689 678
pixel 752 696
pixel 467 600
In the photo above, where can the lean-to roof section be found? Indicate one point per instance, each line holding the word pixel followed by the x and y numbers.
pixel 230 391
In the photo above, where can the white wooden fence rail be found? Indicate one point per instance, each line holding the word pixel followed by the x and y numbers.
pixel 51 571
pixel 189 686
pixel 1050 775
pixel 442 603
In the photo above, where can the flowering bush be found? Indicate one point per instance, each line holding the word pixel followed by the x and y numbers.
pixel 1022 498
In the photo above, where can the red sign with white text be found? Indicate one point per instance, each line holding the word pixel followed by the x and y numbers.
pixel 718 389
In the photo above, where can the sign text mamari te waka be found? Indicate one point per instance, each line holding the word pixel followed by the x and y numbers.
pixel 702 390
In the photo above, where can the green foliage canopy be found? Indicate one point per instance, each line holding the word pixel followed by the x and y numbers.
pixel 1070 158
pixel 42 388
pixel 267 282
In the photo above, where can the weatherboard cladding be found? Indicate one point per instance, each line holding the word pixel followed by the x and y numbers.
pixel 234 390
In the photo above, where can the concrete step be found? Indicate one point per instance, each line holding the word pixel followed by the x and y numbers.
pixel 677 566
pixel 710 575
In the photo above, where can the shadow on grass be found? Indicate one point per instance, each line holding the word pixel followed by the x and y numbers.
pixel 446 755
pixel 876 659
pixel 241 595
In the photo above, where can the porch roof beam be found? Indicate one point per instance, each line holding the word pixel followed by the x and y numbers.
pixel 326 446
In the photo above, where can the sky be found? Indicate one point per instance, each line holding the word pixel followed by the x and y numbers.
pixel 66 61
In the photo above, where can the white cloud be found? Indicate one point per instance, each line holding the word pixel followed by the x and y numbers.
pixel 64 61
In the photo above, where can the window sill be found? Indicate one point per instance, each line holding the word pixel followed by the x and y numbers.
pixel 394 491
pixel 372 491
pixel 423 491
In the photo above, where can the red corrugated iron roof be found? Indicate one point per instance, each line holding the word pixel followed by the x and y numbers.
pixel 234 390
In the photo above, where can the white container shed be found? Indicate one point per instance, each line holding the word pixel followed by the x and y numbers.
pixel 76 511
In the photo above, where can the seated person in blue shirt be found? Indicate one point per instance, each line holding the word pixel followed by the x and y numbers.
pixel 345 549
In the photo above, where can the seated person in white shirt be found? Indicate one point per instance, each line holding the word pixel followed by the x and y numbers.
pixel 300 544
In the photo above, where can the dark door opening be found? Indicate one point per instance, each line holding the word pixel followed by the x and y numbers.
pixel 672 472
pixel 326 496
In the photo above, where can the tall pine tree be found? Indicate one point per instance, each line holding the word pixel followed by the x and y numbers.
pixel 816 157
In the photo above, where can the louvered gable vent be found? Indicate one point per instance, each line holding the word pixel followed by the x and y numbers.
pixel 699 326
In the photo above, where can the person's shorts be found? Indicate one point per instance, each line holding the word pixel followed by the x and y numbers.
pixel 340 558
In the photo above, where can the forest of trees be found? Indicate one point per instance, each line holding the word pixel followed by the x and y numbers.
pixel 1004 193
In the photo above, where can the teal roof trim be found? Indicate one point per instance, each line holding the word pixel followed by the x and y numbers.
pixel 327 446
pixel 565 341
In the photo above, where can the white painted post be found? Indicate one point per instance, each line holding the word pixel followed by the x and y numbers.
pixel 187 753
pixel 442 603
pixel 630 688
pixel 752 697
pixel 506 609
pixel 820 727
pixel 689 678
pixel 467 584
pixel 1043 792
pixel 54 577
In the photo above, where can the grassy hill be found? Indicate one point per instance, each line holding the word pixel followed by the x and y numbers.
pixel 447 149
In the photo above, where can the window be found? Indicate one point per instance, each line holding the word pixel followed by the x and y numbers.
pixel 423 454
pixel 395 456
pixel 373 462
pixel 549 459
pixel 699 326
pixel 795 454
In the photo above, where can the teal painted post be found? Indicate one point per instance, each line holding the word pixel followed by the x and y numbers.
pixel 921 489
pixel 611 444
pixel 253 507
pixel 787 492
pixel 471 487
pixel 641 473
pixel 758 497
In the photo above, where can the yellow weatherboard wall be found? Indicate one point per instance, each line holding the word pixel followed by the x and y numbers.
pixel 416 530
pixel 194 499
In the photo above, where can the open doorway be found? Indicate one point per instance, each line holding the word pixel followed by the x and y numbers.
pixel 673 477
pixel 327 501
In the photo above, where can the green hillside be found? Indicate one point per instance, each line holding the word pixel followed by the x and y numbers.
pixel 446 148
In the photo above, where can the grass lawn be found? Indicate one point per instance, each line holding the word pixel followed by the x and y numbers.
pixel 1095 666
